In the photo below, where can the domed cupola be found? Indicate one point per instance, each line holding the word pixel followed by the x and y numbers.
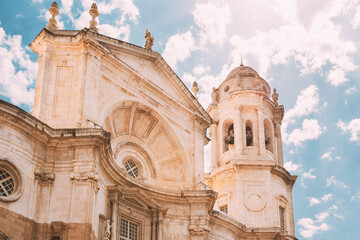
pixel 242 78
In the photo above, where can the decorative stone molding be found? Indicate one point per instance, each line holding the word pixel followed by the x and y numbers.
pixel 57 228
pixel 142 152
pixel 201 203
pixel 84 176
pixel 44 175
pixel 3 236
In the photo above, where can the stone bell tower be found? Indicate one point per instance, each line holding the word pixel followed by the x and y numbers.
pixel 246 154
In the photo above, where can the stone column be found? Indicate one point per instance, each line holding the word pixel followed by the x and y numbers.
pixel 261 134
pixel 114 215
pixel 153 226
pixel 237 132
pixel 160 223
pixel 279 143
pixel 199 137
pixel 214 146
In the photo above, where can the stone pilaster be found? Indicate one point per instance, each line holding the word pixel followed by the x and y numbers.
pixel 201 202
pixel 279 143
pixel 237 132
pixel 261 131
pixel 214 147
pixel 114 215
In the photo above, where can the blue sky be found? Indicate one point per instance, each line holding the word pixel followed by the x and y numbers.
pixel 308 50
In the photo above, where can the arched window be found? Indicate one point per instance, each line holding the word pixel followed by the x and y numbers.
pixel 249 133
pixel 228 133
pixel 268 135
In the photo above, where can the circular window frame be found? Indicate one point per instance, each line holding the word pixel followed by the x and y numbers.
pixel 138 165
pixel 15 173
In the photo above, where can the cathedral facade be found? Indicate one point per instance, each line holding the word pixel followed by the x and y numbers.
pixel 114 149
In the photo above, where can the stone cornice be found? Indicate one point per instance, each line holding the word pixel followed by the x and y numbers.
pixel 102 41
pixel 284 174
pixel 227 221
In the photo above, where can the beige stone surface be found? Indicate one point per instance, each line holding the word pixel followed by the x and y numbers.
pixel 104 108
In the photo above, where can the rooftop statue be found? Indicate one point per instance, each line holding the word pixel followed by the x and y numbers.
pixel 149 40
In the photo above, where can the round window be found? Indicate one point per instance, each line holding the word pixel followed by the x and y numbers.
pixel 131 169
pixel 7 184
pixel 10 182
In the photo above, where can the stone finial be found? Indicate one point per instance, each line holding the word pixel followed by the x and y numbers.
pixel 214 96
pixel 93 13
pixel 149 40
pixel 275 97
pixel 54 10
pixel 195 89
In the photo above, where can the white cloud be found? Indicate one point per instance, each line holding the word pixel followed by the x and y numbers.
pixel 66 6
pixel 314 201
pixel 19 15
pixel 17 71
pixel 310 130
pixel 356 20
pixel 339 216
pixel 334 181
pixel 353 128
pixel 308 174
pixel 309 227
pixel 355 197
pixel 337 76
pixel 328 155
pixel 326 197
pixel 333 207
pixel 178 48
pixel 320 217
pixel 126 8
pixel 119 32
pixel 212 17
pixel 312 45
pixel 307 102
pixel 200 69
pixel 351 90
pixel 292 167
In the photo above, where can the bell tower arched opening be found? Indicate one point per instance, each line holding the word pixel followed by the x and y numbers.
pixel 228 135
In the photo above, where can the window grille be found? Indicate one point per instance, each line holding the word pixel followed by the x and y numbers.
pixel 128 230
pixel 132 169
pixel 282 219
pixel 7 184
pixel 224 209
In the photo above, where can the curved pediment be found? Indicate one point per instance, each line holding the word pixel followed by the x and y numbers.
pixel 142 140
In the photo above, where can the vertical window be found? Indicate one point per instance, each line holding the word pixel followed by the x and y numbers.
pixel 268 135
pixel 224 209
pixel 228 135
pixel 249 133
pixel 282 218
pixel 132 169
pixel 128 230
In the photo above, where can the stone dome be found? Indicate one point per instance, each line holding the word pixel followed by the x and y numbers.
pixel 243 78
pixel 242 71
